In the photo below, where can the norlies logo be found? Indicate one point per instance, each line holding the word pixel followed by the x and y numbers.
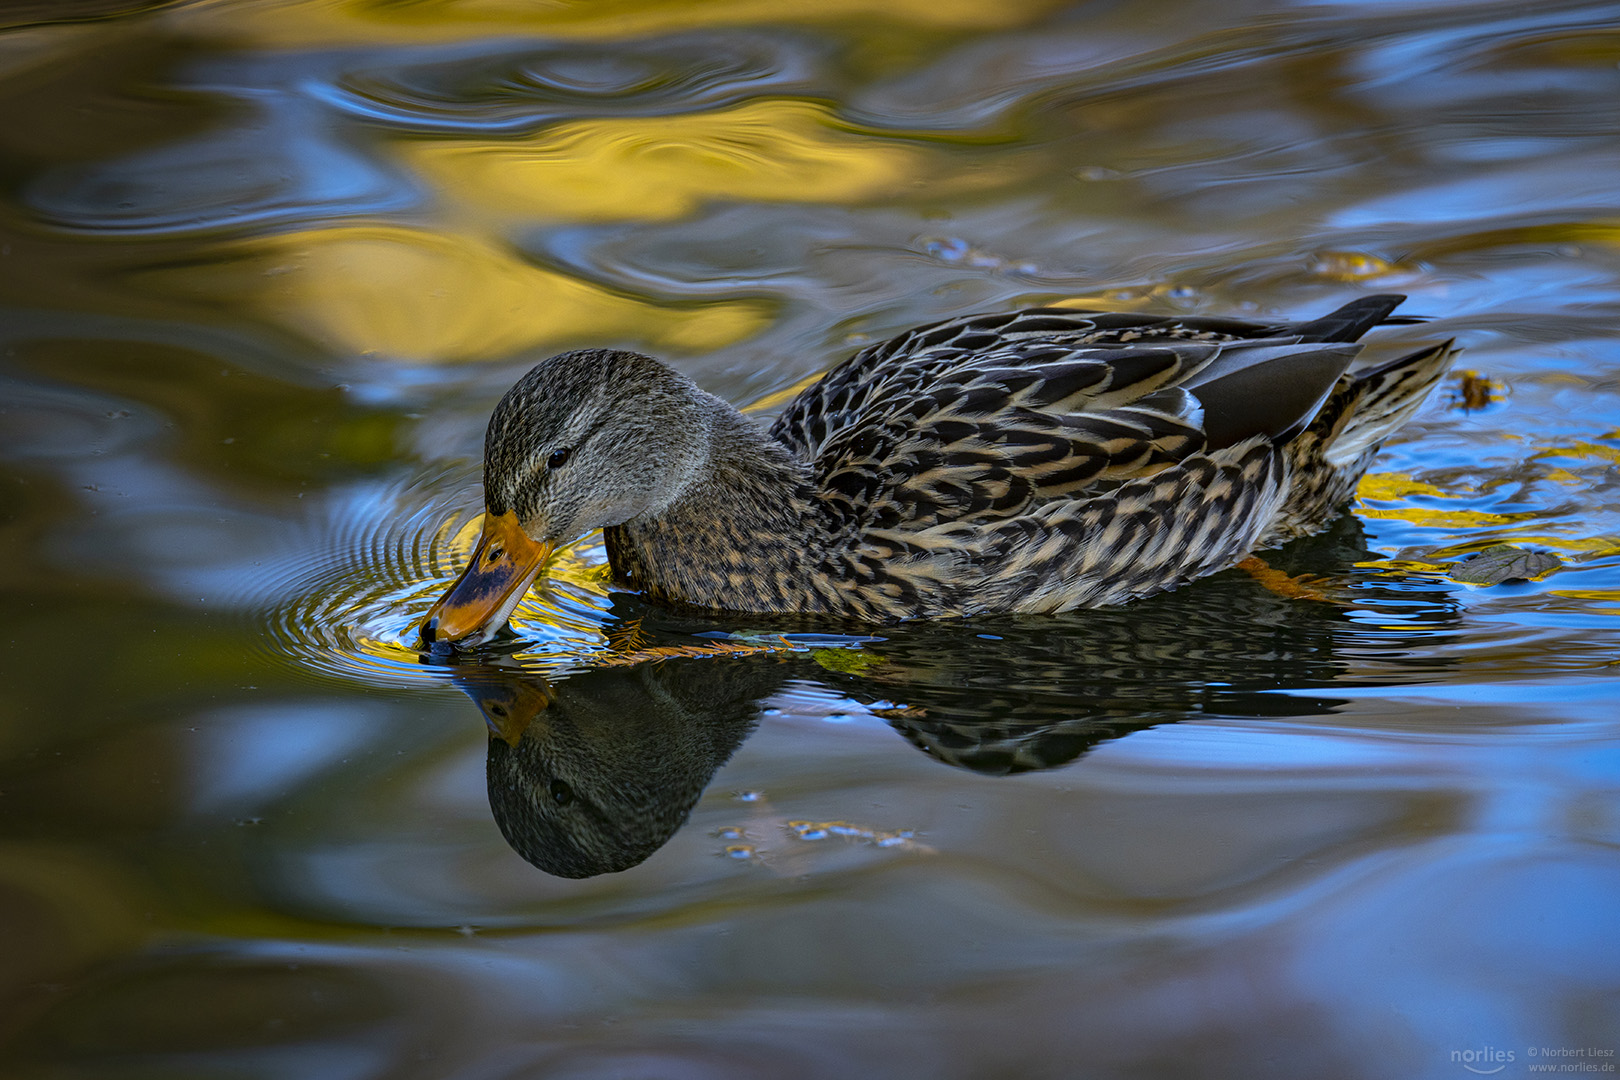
pixel 1485 1061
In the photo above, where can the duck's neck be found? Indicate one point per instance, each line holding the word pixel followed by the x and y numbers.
pixel 738 537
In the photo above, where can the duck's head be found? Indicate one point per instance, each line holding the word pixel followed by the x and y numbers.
pixel 584 440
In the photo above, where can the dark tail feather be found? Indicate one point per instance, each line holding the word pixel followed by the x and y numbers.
pixel 1377 401
pixel 1351 321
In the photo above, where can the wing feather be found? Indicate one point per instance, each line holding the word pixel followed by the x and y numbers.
pixel 992 418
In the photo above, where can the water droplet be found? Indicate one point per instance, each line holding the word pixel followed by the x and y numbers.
pixel 1097 172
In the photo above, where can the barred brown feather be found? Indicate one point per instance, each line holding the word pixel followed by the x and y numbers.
pixel 1031 461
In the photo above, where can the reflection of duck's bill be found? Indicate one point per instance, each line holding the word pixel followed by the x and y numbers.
pixel 503 565
pixel 511 703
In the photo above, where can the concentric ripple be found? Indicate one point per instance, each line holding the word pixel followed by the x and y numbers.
pixel 347 603
pixel 519 89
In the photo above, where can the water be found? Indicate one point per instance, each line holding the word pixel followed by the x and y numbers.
pixel 264 269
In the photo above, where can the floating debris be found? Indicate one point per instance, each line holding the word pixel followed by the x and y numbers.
pixel 651 653
pixel 1475 391
pixel 1503 562
pixel 828 830
pixel 1095 173
pixel 843 661
pixel 952 249
pixel 1351 266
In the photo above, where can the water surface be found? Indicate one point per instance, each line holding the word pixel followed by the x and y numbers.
pixel 264 270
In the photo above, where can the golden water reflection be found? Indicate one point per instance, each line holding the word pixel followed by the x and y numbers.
pixel 652 168
pixel 305 23
pixel 428 297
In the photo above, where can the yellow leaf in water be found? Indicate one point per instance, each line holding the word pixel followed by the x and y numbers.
pixel 648 168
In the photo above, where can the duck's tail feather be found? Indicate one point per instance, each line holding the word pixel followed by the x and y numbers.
pixel 1369 405
pixel 1330 456
pixel 1352 320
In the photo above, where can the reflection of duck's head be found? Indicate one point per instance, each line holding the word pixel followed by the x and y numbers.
pixel 593 774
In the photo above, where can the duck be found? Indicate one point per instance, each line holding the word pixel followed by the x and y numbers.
pixel 1031 461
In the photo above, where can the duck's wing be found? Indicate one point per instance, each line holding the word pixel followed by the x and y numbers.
pixel 914 358
pixel 973 426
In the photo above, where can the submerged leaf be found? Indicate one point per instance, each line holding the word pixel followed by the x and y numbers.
pixel 1504 562
pixel 847 661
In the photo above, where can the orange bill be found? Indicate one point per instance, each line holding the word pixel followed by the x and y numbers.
pixel 503 565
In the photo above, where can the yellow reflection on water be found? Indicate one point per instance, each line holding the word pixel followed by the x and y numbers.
pixel 1445 519
pixel 650 168
pixel 1396 487
pixel 1393 486
pixel 312 22
pixel 779 398
pixel 420 296
pixel 1599 596
pixel 1527 528
pixel 1583 449
pixel 1353 266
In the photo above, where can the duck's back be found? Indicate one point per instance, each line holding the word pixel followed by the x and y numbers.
pixel 1050 459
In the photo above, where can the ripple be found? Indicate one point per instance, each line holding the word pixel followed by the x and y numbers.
pixel 344 606
pixel 348 602
pixel 346 596
pixel 289 165
pixel 519 90
pixel 50 423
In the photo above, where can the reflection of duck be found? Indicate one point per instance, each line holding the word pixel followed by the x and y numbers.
pixel 594 773
pixel 1035 461
pixel 1010 694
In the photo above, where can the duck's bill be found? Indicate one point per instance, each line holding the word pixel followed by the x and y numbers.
pixel 504 564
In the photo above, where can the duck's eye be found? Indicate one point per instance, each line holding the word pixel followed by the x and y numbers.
pixel 558 458
pixel 561 793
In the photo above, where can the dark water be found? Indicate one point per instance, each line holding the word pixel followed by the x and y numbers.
pixel 265 267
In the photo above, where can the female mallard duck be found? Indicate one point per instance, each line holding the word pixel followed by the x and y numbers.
pixel 1032 461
